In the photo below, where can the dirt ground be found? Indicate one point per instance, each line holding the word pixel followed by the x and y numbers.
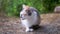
pixel 50 24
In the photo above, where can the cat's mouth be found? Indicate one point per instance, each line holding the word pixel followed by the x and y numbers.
pixel 23 18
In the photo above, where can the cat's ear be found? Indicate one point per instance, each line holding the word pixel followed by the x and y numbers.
pixel 23 6
pixel 26 7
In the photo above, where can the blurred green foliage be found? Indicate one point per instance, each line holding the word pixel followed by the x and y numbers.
pixel 13 7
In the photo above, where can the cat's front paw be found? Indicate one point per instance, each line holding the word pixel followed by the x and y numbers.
pixel 29 30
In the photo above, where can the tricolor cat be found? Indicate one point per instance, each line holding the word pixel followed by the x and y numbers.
pixel 29 17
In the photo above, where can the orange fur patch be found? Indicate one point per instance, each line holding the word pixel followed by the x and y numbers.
pixel 26 7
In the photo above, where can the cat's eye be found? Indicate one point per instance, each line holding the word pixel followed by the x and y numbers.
pixel 28 12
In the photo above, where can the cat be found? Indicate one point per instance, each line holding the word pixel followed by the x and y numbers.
pixel 30 18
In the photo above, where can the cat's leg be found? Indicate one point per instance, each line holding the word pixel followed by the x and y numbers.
pixel 29 29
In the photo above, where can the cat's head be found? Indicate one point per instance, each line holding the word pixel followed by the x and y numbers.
pixel 26 10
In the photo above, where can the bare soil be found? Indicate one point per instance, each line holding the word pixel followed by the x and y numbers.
pixel 50 24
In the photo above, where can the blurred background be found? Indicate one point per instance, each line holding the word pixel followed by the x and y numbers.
pixel 10 21
pixel 13 7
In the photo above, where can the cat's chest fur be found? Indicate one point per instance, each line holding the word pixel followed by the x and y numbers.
pixel 31 20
